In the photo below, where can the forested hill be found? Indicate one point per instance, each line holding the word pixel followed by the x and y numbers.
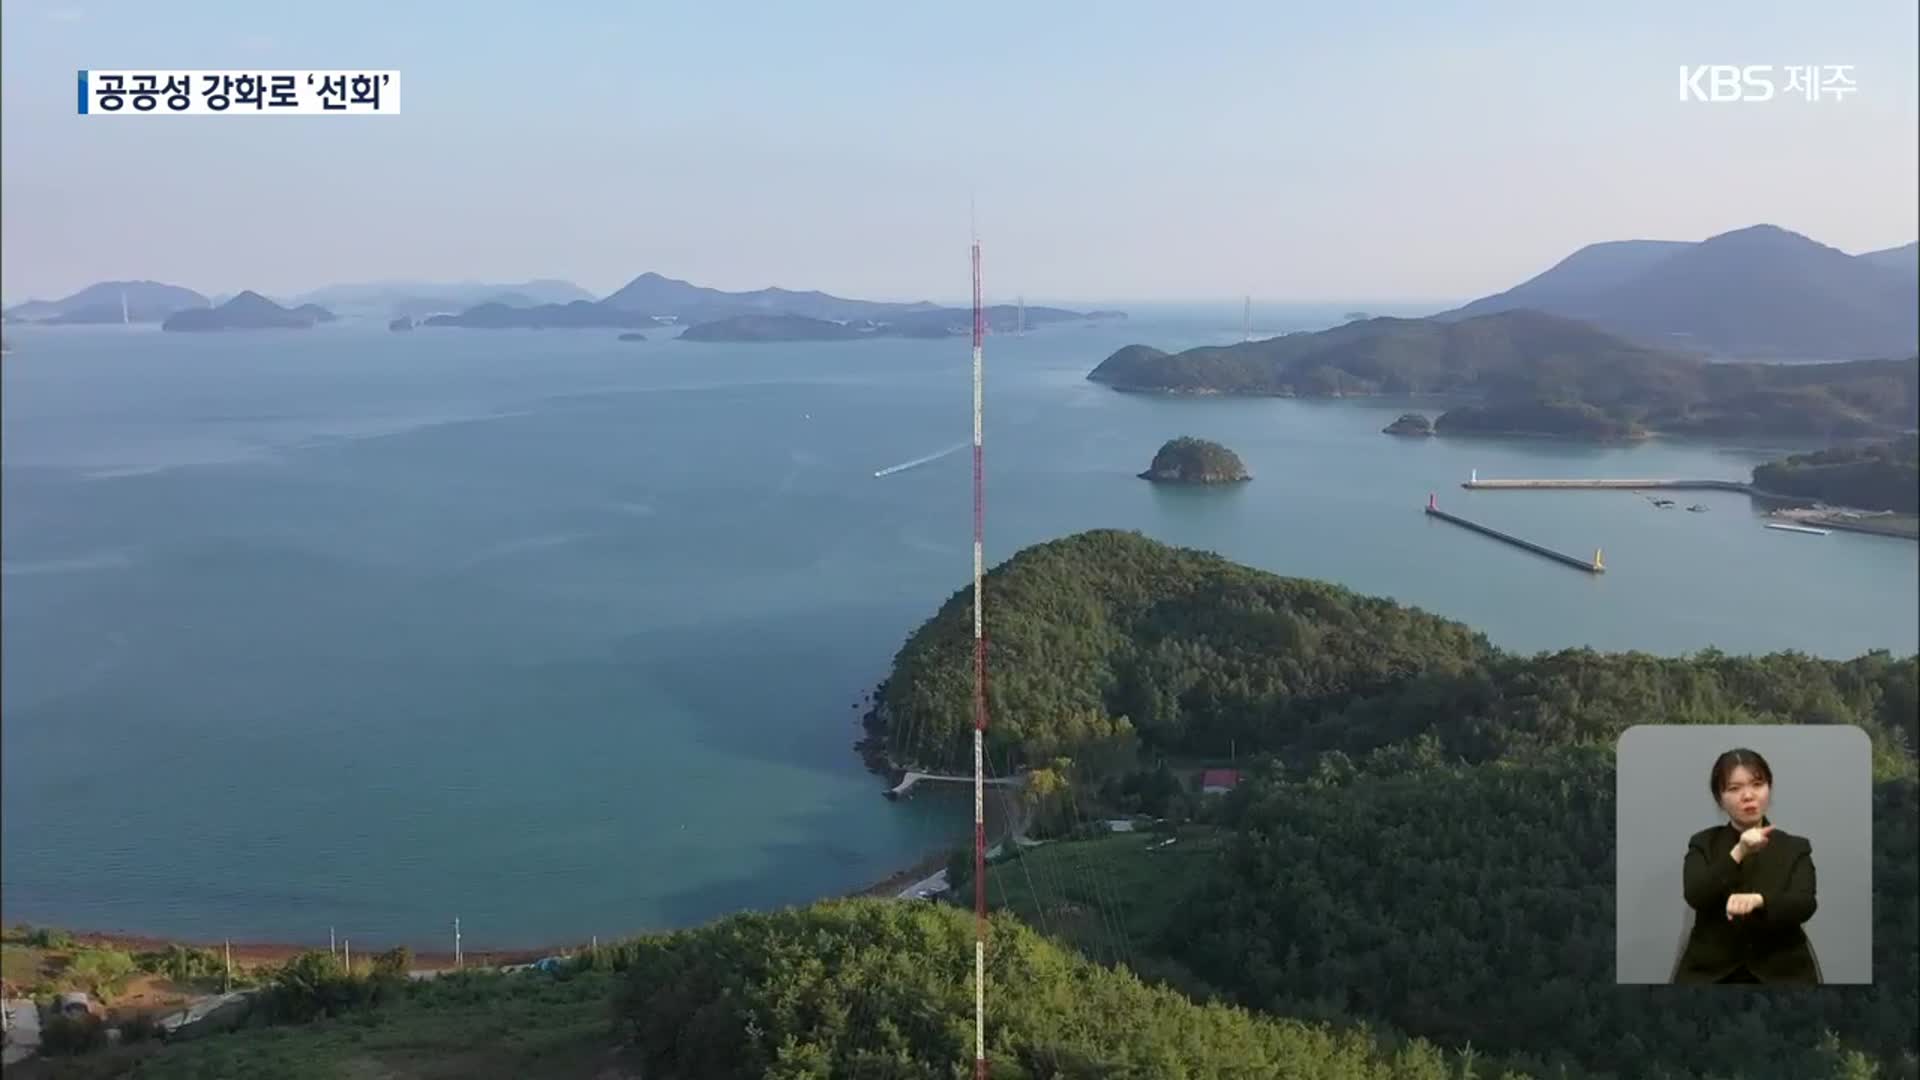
pixel 884 989
pixel 1108 631
pixel 1472 902
pixel 1425 835
pixel 1392 356
pixel 1184 647
pixel 1875 476
pixel 1552 375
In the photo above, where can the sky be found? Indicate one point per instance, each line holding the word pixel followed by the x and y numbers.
pixel 1300 151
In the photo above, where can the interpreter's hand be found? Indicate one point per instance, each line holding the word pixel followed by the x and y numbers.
pixel 1755 838
pixel 1744 903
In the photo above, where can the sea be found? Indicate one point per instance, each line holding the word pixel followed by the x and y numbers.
pixel 361 632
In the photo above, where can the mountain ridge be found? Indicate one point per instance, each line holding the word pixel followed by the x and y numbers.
pixel 1549 374
pixel 1760 292
pixel 1905 258
pixel 146 301
pixel 247 310
pixel 580 314
pixel 653 293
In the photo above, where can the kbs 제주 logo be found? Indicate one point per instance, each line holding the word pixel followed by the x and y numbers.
pixel 1757 82
pixel 239 93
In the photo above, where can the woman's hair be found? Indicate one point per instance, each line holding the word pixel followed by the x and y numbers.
pixel 1724 765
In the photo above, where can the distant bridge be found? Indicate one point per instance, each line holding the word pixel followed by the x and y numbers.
pixel 907 782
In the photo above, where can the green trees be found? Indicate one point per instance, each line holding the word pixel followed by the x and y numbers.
pixel 1575 419
pixel 960 872
pixel 315 984
pixel 1427 838
pixel 395 961
pixel 1199 654
pixel 1876 476
pixel 1474 903
pixel 182 964
pixel 1107 635
pixel 878 989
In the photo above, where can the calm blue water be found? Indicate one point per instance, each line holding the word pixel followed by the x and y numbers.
pixel 564 635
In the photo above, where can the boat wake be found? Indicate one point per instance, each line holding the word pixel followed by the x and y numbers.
pixel 919 461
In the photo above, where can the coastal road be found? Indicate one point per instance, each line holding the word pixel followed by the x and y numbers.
pixel 935 884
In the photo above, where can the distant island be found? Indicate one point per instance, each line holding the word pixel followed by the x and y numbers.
pixel 1412 423
pixel 109 302
pixel 937 323
pixel 648 301
pixel 633 335
pixel 1540 374
pixel 1761 292
pixel 651 299
pixel 1187 460
pixel 763 315
pixel 1871 476
pixel 580 314
pixel 656 294
pixel 773 328
pixel 247 311
pixel 419 299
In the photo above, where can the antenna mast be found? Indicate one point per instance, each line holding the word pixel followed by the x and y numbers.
pixel 979 699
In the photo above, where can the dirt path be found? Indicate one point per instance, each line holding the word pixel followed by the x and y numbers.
pixel 23 1030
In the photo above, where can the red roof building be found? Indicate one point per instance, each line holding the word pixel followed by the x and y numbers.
pixel 1218 781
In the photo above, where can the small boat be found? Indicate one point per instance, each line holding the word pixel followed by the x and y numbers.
pixel 1808 529
pixel 1697 508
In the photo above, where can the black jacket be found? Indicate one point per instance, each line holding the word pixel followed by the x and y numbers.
pixel 1770 941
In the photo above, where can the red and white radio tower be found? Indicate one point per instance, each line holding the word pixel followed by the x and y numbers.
pixel 979 702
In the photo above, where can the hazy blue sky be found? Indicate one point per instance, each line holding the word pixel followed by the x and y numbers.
pixel 1118 150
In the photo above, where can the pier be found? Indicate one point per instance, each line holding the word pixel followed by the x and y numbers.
pixel 907 782
pixel 1595 567
pixel 1474 483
